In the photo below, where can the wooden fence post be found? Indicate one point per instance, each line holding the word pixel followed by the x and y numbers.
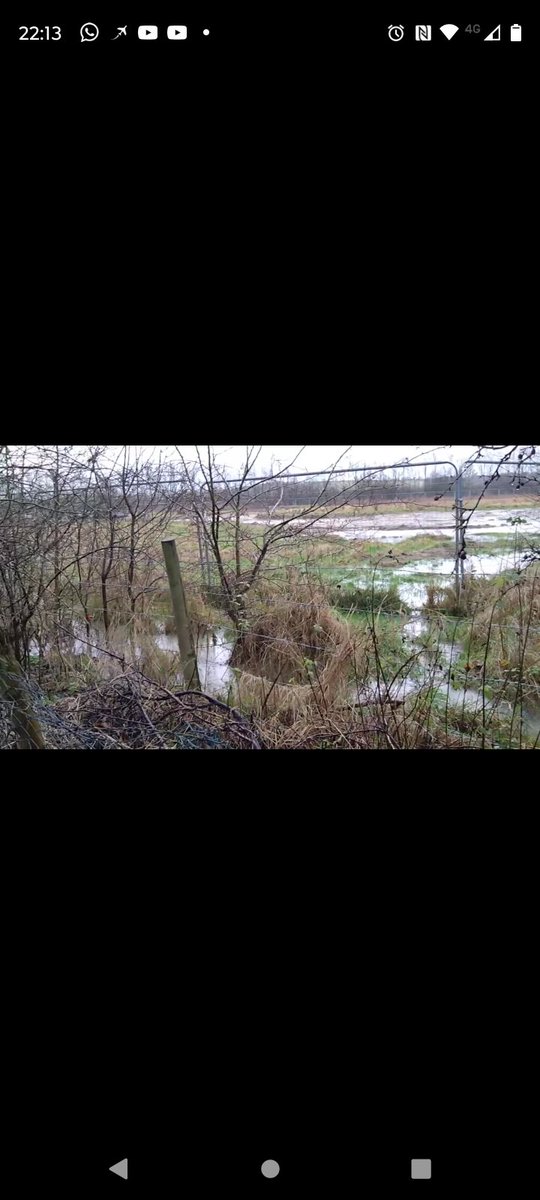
pixel 183 627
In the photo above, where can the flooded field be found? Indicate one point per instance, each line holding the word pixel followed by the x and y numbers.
pixel 505 547
pixel 392 527
pixel 437 570
pixel 434 659
pixel 442 570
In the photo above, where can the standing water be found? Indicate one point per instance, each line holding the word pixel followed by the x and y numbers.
pixel 213 655
pixel 213 648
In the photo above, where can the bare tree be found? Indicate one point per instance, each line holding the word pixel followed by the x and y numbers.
pixel 219 505
pixel 148 512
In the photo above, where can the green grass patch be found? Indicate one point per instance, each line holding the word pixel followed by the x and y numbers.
pixel 375 599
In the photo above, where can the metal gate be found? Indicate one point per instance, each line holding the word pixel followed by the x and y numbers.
pixel 459 524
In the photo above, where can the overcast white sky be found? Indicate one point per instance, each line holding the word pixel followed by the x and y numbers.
pixel 310 458
pixel 315 458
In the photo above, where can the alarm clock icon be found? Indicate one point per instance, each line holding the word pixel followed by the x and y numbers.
pixel 395 32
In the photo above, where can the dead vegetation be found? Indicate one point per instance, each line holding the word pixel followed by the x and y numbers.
pixel 139 714
pixel 371 729
pixel 296 656
pixel 501 629
pixel 128 712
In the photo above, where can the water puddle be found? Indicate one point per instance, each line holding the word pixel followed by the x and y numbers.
pixel 432 670
pixel 476 564
pixel 439 571
pixel 213 649
pixel 466 699
pixel 416 628
pixel 435 570
pixel 414 594
pixel 213 655
pixel 417 631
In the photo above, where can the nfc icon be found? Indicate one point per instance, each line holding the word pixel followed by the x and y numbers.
pixel 423 33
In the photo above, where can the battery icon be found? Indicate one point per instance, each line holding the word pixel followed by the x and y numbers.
pixel 515 33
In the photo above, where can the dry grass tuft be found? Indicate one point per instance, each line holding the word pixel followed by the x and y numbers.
pixel 296 657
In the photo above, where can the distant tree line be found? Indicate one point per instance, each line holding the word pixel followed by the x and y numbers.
pixel 371 488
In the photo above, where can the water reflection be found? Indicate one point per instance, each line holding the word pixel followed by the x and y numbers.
pixel 482 565
pixel 213 647
pixel 213 655
pixel 444 694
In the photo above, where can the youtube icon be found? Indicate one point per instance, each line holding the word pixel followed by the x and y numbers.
pixel 176 32
pixel 148 33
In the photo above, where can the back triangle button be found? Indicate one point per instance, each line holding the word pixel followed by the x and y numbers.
pixel 120 1168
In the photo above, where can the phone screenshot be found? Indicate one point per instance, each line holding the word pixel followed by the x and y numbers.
pixel 209 203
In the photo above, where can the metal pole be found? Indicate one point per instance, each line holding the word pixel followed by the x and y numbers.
pixel 457 493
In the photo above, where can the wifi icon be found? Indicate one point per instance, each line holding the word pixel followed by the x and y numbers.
pixel 449 30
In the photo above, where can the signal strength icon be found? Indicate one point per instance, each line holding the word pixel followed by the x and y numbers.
pixel 449 30
pixel 495 35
